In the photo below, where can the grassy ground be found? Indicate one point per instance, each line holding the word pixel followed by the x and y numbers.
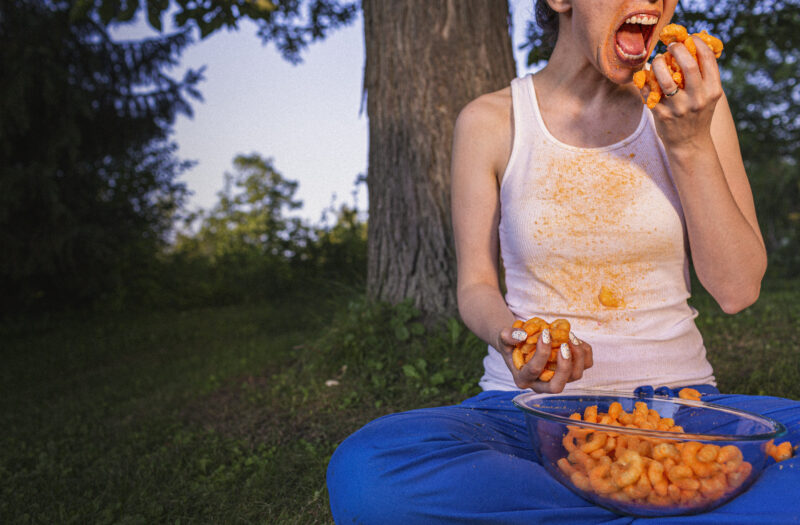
pixel 756 351
pixel 223 415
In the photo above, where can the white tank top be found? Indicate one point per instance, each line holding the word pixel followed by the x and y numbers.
pixel 575 220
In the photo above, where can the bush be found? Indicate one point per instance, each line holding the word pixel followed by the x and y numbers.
pixel 246 249
pixel 388 357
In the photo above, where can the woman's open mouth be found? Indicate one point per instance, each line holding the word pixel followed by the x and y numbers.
pixel 632 40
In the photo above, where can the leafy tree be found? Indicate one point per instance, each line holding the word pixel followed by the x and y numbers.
pixel 339 252
pixel 88 177
pixel 760 71
pixel 250 215
pixel 290 24
pixel 760 65
pixel 249 244
pixel 248 247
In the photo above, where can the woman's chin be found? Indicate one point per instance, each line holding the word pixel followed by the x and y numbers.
pixel 620 74
pixel 620 67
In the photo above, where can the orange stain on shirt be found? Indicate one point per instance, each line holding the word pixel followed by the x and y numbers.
pixel 603 249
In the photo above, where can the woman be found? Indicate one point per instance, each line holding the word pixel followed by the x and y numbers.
pixel 593 203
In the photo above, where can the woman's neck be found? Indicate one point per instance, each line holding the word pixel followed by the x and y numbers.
pixel 580 106
pixel 571 74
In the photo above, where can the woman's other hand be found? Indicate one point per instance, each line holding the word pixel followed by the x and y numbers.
pixel 574 357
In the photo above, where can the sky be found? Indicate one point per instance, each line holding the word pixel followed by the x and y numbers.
pixel 306 117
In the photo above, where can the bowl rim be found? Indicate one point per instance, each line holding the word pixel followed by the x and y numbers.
pixel 779 429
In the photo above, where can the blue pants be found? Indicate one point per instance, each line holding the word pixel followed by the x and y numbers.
pixel 473 463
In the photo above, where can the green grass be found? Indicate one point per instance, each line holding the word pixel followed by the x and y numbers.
pixel 756 351
pixel 223 415
pixel 124 420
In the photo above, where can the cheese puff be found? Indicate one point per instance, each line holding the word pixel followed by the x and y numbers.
pixel 535 325
pixel 677 77
pixel 525 350
pixel 559 330
pixel 691 47
pixel 779 452
pixel 546 375
pixel 640 79
pixel 608 296
pixel 674 68
pixel 711 41
pixel 689 393
pixel 673 33
pixel 655 93
pixel 518 358
pixel 672 64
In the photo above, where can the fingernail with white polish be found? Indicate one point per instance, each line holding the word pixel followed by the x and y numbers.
pixel 546 336
pixel 565 351
pixel 519 335
pixel 574 340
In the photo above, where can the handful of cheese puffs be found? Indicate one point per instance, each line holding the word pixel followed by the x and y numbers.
pixel 674 33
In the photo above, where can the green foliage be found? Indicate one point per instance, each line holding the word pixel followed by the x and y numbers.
pixel 247 238
pixel 339 252
pixel 390 357
pixel 121 419
pixel 250 215
pixel 760 68
pixel 776 187
pixel 291 24
pixel 248 246
pixel 755 351
pixel 88 177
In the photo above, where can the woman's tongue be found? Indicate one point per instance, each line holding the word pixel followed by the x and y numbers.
pixel 630 39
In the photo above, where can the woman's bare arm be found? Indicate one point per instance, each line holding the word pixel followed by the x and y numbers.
pixel 479 135
pixel 700 138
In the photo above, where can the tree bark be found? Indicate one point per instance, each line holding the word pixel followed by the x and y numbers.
pixel 424 61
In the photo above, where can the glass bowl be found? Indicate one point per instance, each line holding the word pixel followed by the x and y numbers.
pixel 713 454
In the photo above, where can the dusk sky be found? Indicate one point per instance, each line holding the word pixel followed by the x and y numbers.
pixel 306 117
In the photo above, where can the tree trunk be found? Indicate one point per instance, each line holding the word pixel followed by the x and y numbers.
pixel 424 61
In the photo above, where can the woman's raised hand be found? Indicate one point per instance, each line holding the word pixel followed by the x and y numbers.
pixel 683 117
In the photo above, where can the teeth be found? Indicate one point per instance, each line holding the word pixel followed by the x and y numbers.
pixel 646 20
pixel 640 56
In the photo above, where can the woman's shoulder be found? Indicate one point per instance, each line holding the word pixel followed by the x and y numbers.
pixel 489 109
pixel 485 126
